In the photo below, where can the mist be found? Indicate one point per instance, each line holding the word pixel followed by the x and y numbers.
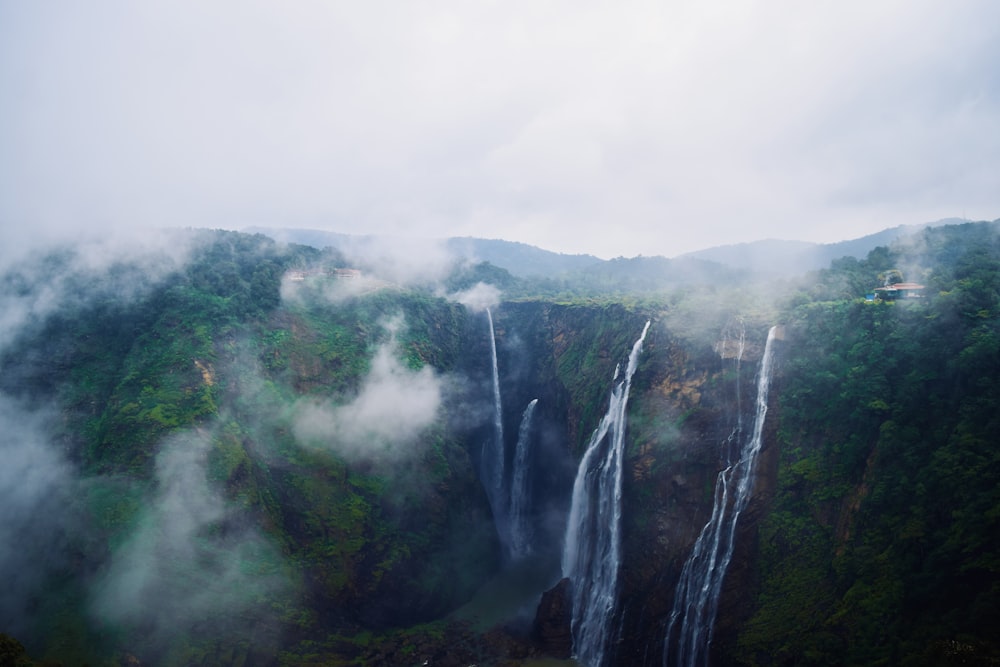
pixel 45 528
pixel 463 120
pixel 412 260
pixel 37 488
pixel 394 405
pixel 311 473
pixel 191 564
pixel 331 291
pixel 478 297
pixel 187 557
pixel 39 277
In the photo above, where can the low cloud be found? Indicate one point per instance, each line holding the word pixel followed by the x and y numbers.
pixel 190 562
pixel 330 289
pixel 38 278
pixel 372 263
pixel 400 260
pixel 483 120
pixel 394 405
pixel 45 526
pixel 36 488
pixel 478 298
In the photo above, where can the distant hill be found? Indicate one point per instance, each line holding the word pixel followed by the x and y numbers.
pixel 523 261
pixel 520 259
pixel 764 258
pixel 776 257
pixel 767 256
pixel 650 274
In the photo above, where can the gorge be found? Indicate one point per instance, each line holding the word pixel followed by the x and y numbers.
pixel 343 471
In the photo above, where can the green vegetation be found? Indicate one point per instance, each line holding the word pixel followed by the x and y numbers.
pixel 212 350
pixel 588 345
pixel 13 653
pixel 883 544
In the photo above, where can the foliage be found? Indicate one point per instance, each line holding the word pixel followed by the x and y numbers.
pixel 212 348
pixel 882 545
pixel 13 653
pixel 883 542
pixel 589 343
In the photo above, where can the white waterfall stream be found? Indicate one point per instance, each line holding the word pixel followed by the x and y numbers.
pixel 592 550
pixel 696 600
pixel 520 488
pixel 493 458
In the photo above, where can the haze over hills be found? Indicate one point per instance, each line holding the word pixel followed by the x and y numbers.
pixel 304 466
pixel 596 355
pixel 766 258
pixel 772 256
pixel 520 259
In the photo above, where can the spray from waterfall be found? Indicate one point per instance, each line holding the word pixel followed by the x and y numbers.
pixel 696 600
pixel 592 551
pixel 520 488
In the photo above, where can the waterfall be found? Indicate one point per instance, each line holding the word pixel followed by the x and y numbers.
pixel 492 463
pixel 696 600
pixel 520 489
pixel 592 550
pixel 726 351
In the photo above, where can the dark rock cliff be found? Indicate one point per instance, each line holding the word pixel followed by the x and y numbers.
pixel 691 400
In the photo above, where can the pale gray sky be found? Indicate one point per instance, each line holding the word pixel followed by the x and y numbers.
pixel 618 127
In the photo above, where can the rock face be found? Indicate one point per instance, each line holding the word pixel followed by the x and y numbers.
pixel 741 585
pixel 701 404
pixel 692 405
pixel 551 629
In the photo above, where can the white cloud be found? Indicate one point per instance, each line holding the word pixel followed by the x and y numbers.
pixel 478 298
pixel 42 278
pixel 36 488
pixel 610 128
pixel 386 418
pixel 330 289
pixel 401 259
pixel 189 562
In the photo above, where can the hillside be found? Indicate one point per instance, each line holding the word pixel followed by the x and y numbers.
pixel 302 466
pixel 788 258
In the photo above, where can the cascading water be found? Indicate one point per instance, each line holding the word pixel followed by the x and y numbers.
pixel 592 551
pixel 696 600
pixel 734 349
pixel 520 489
pixel 493 459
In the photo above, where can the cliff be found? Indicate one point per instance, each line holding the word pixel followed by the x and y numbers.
pixel 293 469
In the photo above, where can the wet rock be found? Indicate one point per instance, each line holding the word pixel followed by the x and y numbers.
pixel 551 629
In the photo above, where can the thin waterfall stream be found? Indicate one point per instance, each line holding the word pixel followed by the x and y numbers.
pixel 696 600
pixel 492 463
pixel 520 488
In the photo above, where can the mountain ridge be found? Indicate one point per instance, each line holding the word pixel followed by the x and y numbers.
pixel 766 257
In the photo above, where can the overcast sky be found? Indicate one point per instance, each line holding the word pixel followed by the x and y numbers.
pixel 608 127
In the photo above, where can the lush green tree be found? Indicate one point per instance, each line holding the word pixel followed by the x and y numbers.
pixel 886 522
